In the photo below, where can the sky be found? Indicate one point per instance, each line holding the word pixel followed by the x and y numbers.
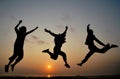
pixel 103 15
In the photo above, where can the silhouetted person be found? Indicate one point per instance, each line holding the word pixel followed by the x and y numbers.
pixel 59 39
pixel 18 46
pixel 90 42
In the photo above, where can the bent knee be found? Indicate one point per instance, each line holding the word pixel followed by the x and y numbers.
pixel 19 58
pixel 54 58
pixel 63 54
pixel 12 58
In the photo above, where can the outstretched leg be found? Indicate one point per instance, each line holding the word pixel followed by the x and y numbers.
pixel 11 59
pixel 17 61
pixel 54 56
pixel 114 46
pixel 106 48
pixel 86 58
pixel 64 58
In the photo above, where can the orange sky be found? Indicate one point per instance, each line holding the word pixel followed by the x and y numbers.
pixel 54 15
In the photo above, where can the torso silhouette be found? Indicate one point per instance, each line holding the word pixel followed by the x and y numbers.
pixel 59 40
pixel 19 40
pixel 90 40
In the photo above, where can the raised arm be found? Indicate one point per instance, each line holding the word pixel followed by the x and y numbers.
pixel 48 31
pixel 16 27
pixel 31 31
pixel 88 28
pixel 66 28
pixel 101 43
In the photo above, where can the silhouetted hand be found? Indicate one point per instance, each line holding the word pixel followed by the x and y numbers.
pixel 46 30
pixel 20 21
pixel 66 27
pixel 36 27
pixel 88 25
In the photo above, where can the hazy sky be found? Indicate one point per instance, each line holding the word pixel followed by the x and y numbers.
pixel 103 15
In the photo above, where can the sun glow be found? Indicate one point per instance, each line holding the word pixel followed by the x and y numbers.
pixel 48 76
pixel 49 66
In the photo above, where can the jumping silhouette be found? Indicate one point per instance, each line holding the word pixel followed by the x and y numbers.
pixel 90 42
pixel 59 39
pixel 18 46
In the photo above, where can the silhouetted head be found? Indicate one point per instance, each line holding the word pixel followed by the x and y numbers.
pixel 91 31
pixel 22 29
pixel 61 35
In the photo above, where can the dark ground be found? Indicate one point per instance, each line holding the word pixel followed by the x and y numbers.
pixel 63 77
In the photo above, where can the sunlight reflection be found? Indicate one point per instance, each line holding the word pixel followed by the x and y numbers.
pixel 48 76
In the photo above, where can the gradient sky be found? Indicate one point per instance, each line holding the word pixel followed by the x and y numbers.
pixel 103 15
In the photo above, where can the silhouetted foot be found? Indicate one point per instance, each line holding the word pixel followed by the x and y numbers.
pixel 108 44
pixel 6 68
pixel 45 51
pixel 12 67
pixel 67 65
pixel 113 46
pixel 80 64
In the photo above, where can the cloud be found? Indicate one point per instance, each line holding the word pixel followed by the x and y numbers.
pixel 3 14
pixel 66 17
pixel 35 39
pixel 13 17
pixel 60 26
pixel 27 40
pixel 72 29
pixel 38 40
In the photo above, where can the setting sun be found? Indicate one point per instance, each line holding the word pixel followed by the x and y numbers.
pixel 42 55
pixel 49 66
